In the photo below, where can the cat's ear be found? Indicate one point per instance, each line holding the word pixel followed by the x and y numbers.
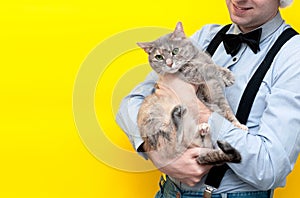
pixel 146 46
pixel 178 33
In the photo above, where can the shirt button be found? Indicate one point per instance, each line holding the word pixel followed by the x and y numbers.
pixel 178 195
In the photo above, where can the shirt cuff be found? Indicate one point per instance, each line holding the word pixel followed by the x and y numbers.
pixel 138 145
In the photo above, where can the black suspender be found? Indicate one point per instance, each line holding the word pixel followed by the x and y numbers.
pixel 215 42
pixel 254 83
pixel 216 174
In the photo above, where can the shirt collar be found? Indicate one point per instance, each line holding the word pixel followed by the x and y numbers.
pixel 267 28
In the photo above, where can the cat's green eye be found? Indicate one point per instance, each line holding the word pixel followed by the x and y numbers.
pixel 175 51
pixel 159 57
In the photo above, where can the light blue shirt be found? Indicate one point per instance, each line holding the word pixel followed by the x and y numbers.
pixel 271 146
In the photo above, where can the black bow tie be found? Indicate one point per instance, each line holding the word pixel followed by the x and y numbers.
pixel 233 42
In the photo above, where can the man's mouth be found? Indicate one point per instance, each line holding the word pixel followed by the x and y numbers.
pixel 241 8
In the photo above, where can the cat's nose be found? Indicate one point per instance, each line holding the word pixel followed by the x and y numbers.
pixel 169 62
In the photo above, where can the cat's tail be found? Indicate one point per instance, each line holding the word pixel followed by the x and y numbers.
pixel 218 157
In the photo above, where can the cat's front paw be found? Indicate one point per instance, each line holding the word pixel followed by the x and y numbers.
pixel 228 77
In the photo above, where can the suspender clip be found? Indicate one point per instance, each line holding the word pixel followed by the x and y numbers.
pixel 208 191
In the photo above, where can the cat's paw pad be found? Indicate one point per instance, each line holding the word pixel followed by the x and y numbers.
pixel 203 129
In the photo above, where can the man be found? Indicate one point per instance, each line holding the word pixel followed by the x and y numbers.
pixel 271 146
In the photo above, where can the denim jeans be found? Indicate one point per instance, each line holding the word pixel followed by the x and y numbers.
pixel 169 190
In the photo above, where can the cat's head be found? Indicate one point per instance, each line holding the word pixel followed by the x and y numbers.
pixel 170 52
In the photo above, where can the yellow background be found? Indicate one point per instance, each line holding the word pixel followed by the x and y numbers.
pixel 43 44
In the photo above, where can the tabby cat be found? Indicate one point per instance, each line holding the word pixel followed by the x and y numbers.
pixel 168 118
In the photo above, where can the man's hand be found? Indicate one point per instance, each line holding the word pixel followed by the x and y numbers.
pixel 184 168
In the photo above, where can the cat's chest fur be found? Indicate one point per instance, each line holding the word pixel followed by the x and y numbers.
pixel 182 91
